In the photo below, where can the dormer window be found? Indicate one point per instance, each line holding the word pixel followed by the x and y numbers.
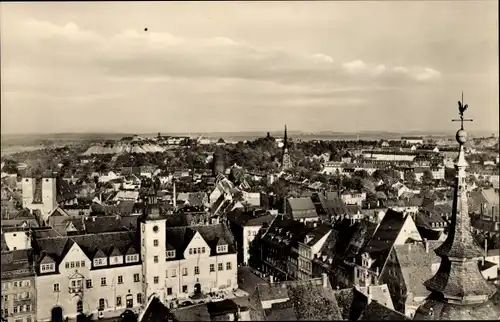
pixel 100 262
pixel 132 258
pixel 221 249
pixel 170 254
pixel 47 268
pixel 116 260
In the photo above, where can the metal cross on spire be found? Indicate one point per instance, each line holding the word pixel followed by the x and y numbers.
pixel 461 109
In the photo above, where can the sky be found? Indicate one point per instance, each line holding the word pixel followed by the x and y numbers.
pixel 248 66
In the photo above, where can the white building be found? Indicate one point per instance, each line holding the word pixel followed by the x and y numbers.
pixel 41 194
pixel 105 274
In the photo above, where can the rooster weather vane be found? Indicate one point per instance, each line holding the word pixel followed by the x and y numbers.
pixel 461 109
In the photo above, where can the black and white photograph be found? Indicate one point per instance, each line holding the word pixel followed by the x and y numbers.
pixel 249 161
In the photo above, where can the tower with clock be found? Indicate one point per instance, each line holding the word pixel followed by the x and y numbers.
pixel 153 247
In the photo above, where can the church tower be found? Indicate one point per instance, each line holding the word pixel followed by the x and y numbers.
pixel 286 162
pixel 459 290
pixel 153 249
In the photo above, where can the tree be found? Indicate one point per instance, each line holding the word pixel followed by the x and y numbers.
pixel 427 178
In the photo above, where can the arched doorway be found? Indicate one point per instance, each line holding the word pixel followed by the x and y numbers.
pixel 197 288
pixel 57 314
pixel 79 306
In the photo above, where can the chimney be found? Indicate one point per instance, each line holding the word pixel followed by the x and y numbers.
pixel 324 278
pixel 368 295
pixel 426 243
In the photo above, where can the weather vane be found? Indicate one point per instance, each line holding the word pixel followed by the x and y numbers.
pixel 461 109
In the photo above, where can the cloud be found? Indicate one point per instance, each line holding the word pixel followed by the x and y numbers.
pixel 133 53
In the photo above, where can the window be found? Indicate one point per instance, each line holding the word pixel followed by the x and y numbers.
pixel 170 253
pixel 28 307
pixel 190 251
pixel 169 291
pixel 199 250
pixel 15 284
pixel 139 298
pixel 72 264
pixel 228 266
pixel 101 304
pixel 88 283
pixel 120 279
pixel 99 261
pixel 132 258
pixel 212 267
pixel 27 283
pixel 136 278
pixel 156 280
pixel 15 309
pixel 203 250
pixel 184 288
pixel 196 270
pixel 155 259
pixel 82 263
pixel 194 251
pixel 130 302
pixel 118 301
pixel 184 271
pixel 67 265
pixel 103 281
pixel 155 243
pixel 56 287
pixel 43 269
pixel 222 249
pixel 220 267
pixel 174 272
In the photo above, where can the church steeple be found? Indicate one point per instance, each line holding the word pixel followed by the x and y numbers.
pixel 285 141
pixel 286 162
pixel 458 287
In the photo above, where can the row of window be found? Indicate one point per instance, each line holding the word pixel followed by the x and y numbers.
pixel 75 264
pixel 17 297
pixel 89 284
pixel 118 302
pixel 28 319
pixel 17 309
pixel 7 285
pixel 220 267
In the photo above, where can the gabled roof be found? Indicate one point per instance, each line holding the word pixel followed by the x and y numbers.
pixel 378 312
pixel 180 237
pixel 415 264
pixel 115 252
pixel 99 254
pixel 386 233
pixel 308 300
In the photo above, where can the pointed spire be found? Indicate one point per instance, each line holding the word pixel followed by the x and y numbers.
pixel 285 140
pixel 459 279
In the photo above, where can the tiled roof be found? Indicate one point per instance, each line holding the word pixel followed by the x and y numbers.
pixel 378 312
pixel 156 312
pixel 102 224
pixel 250 218
pixel 386 233
pixel 15 264
pixel 310 300
pixel 57 247
pixel 179 237
pixel 416 264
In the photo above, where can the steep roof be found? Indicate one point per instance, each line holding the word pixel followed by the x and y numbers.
pixel 416 264
pixel 180 237
pixel 378 312
pixel 386 233
pixel 304 300
pixel 250 218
